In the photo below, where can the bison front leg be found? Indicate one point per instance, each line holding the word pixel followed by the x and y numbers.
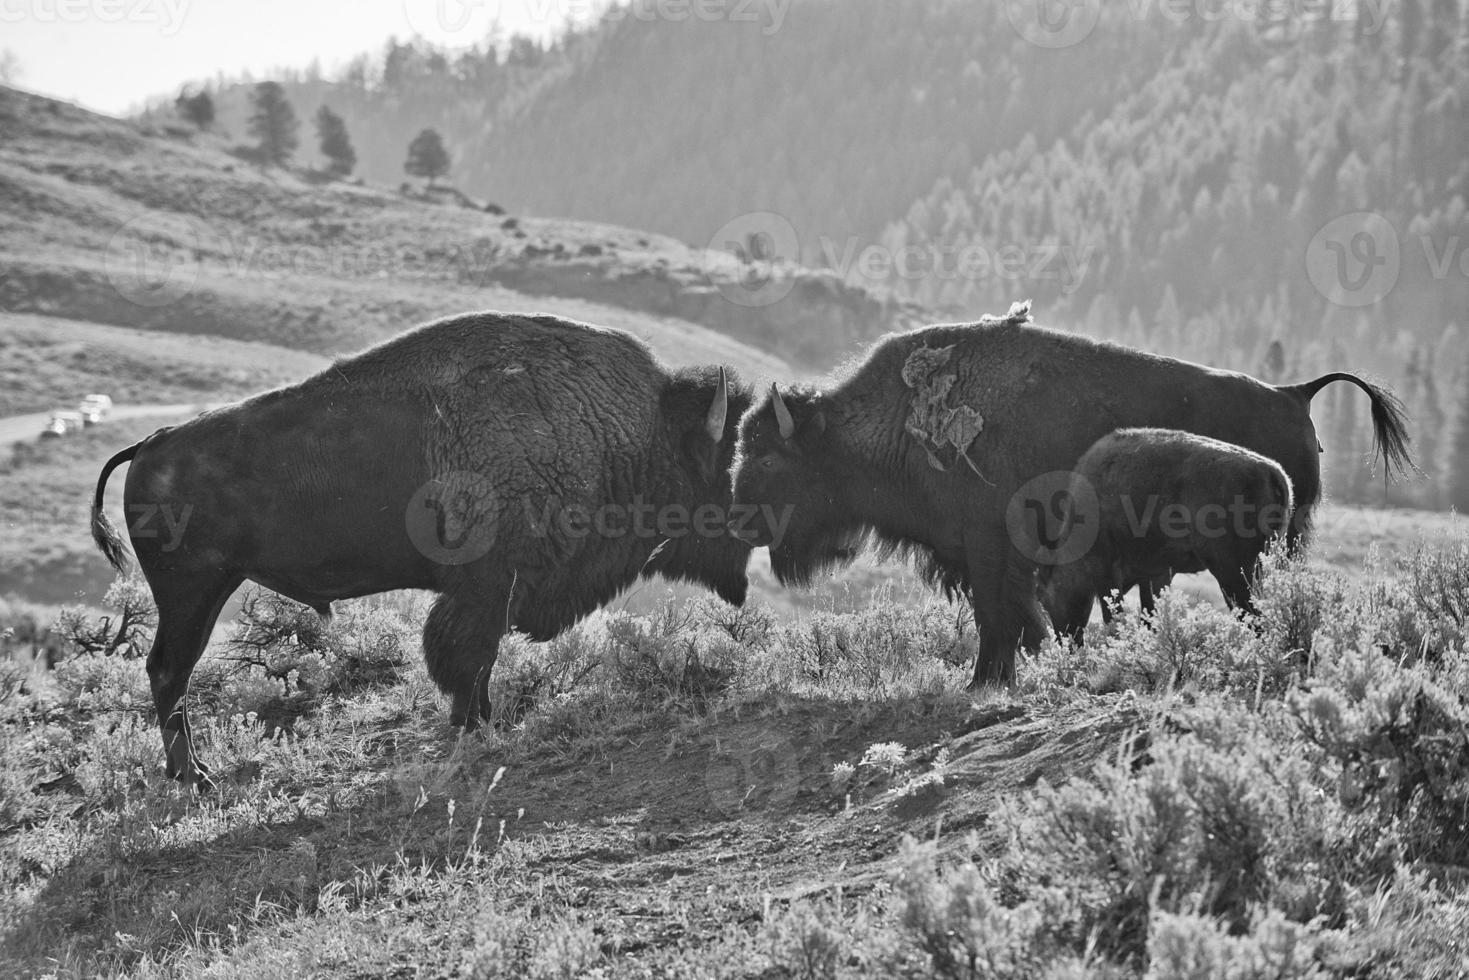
pixel 461 640
pixel 1003 591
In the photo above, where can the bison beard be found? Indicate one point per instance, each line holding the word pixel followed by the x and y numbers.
pixel 416 465
pixel 849 464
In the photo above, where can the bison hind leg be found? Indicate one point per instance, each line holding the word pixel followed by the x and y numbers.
pixel 461 640
pixel 188 605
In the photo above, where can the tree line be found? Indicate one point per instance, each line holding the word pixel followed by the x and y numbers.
pixel 1190 161
pixel 273 125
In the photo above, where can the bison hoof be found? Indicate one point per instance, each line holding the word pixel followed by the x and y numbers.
pixel 198 779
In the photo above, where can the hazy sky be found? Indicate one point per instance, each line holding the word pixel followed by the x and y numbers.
pixel 110 55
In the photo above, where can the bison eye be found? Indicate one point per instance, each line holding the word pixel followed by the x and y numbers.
pixel 766 464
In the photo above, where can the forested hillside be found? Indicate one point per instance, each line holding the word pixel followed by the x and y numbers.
pixel 1203 186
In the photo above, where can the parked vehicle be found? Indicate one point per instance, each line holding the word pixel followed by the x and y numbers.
pixel 95 408
pixel 62 423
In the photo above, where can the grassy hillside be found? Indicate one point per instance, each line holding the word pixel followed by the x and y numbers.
pixel 114 223
pixel 700 792
pixel 48 362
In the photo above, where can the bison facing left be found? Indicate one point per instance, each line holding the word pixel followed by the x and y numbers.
pixel 526 468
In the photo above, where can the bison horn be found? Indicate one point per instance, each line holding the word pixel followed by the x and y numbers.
pixel 718 410
pixel 782 414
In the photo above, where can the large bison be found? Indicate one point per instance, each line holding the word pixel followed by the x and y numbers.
pixel 1145 504
pixel 526 468
pixel 953 444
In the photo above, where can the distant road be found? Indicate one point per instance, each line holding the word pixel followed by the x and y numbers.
pixel 24 428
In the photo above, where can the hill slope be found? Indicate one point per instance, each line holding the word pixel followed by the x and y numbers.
pixel 116 223
pixel 1256 186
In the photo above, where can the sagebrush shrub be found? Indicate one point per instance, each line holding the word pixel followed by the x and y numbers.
pixel 1437 580
pixel 1402 742
pixel 958 923
pixel 1218 820
pixel 1196 947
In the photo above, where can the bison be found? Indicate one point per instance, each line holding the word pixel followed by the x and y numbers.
pixel 525 468
pixel 1145 504
pixel 952 444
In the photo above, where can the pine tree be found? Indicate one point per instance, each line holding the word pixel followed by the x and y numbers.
pixel 427 157
pixel 1458 469
pixel 198 109
pixel 1432 422
pixel 336 145
pixel 9 67
pixel 1272 368
pixel 273 123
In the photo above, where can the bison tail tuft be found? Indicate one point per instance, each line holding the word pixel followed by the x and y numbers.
pixel 1389 420
pixel 106 536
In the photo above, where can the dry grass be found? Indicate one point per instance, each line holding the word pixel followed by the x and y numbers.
pixel 698 791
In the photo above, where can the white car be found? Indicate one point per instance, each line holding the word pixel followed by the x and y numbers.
pixel 63 422
pixel 95 408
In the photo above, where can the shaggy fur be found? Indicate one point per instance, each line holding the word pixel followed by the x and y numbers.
pixel 1229 504
pixel 852 471
pixel 510 422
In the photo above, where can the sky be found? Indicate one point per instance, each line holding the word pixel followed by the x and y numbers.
pixel 112 55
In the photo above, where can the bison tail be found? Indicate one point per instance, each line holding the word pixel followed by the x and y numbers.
pixel 1389 419
pixel 103 532
pixel 1284 496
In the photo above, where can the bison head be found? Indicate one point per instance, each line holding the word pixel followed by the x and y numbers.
pixel 788 488
pixel 1066 593
pixel 702 408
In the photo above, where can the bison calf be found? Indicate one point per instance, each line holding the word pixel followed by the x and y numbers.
pixel 1162 502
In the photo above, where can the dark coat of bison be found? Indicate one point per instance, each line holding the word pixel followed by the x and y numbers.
pixel 526 468
pixel 1145 504
pixel 953 444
